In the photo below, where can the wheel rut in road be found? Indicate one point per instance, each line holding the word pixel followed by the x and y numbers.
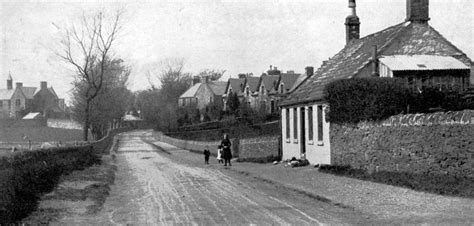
pixel 155 187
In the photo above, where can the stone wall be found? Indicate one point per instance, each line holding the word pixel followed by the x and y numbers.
pixel 250 149
pixel 426 144
pixel 199 146
pixel 259 148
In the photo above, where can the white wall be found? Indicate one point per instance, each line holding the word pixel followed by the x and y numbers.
pixel 317 152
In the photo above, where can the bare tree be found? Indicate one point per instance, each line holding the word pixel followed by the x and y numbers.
pixel 87 47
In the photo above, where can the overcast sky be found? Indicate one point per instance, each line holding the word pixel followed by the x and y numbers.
pixel 236 36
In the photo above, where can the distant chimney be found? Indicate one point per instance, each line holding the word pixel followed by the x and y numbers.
pixel 375 62
pixel 290 72
pixel 352 23
pixel 44 85
pixel 418 11
pixel 309 70
pixel 9 82
pixel 242 75
pixel 19 84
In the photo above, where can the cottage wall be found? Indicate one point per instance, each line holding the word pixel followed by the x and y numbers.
pixel 427 144
pixel 316 151
pixel 204 96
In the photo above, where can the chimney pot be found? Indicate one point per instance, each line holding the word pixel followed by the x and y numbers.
pixel 10 82
pixel 19 84
pixel 352 23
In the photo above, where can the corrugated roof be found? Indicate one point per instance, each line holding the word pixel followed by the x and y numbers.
pixel 32 115
pixel 191 92
pixel 353 60
pixel 421 62
pixel 6 94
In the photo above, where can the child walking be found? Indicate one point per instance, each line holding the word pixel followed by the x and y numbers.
pixel 219 154
pixel 207 153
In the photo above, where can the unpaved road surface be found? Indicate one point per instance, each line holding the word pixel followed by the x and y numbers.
pixel 160 184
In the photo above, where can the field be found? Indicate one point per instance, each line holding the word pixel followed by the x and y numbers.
pixel 14 137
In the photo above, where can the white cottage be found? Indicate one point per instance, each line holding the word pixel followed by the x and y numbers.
pixel 413 42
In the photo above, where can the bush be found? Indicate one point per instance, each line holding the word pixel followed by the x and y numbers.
pixel 372 99
pixel 360 99
pixel 27 175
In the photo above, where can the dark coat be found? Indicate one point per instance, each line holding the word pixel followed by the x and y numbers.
pixel 227 153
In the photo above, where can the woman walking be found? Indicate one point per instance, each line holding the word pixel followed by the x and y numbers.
pixel 226 149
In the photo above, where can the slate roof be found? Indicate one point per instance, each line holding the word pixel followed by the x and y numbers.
pixel 269 81
pixel 422 63
pixel 252 83
pixel 28 91
pixel 6 94
pixel 236 84
pixel 191 92
pixel 218 87
pixel 289 80
pixel 353 60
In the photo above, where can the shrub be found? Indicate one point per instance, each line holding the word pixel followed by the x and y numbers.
pixel 360 99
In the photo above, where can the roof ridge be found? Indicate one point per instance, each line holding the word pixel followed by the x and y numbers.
pixel 449 42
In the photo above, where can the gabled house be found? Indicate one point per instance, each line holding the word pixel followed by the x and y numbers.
pixel 411 50
pixel 12 101
pixel 266 86
pixel 236 86
pixel 203 93
pixel 250 91
pixel 281 88
pixel 22 99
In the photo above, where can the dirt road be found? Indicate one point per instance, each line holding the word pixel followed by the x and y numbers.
pixel 160 184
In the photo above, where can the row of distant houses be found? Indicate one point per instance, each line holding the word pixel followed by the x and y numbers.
pixel 260 93
pixel 411 50
pixel 16 102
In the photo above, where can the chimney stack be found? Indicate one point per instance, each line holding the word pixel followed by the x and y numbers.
pixel 418 11
pixel 309 70
pixel 352 23
pixel 196 80
pixel 44 85
pixel 19 85
pixel 9 81
pixel 375 62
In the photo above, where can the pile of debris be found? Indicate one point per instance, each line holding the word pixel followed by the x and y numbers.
pixel 294 162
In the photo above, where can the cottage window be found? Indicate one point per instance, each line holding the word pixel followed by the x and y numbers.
pixel 9 104
pixel 281 88
pixel 310 123
pixel 295 124
pixel 247 90
pixel 18 102
pixel 320 123
pixel 287 116
pixel 262 89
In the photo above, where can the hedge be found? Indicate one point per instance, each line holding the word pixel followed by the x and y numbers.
pixel 25 176
pixel 372 99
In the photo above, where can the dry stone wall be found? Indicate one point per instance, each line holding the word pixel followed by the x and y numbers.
pixel 426 144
